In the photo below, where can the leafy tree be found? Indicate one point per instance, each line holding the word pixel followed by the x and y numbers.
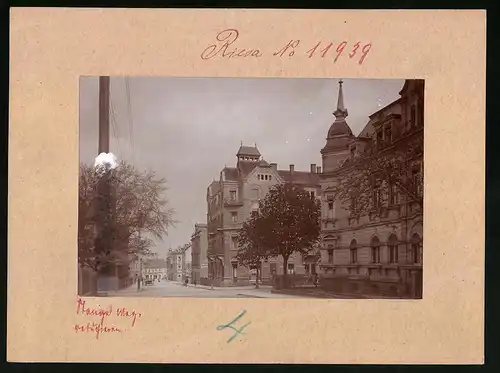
pixel 287 222
pixel 137 211
pixel 251 244
pixel 367 180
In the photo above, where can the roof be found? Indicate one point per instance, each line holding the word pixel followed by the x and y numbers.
pixel 263 163
pixel 248 150
pixel 299 177
pixel 230 173
pixel 338 128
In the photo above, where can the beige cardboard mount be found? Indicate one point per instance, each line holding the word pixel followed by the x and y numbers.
pixel 51 48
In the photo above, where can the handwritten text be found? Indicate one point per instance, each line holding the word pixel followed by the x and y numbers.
pixel 226 40
pixel 223 47
pixel 101 313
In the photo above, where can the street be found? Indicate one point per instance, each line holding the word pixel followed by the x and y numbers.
pixel 172 289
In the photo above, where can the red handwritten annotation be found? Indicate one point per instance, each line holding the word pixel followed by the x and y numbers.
pixel 98 327
pixel 225 47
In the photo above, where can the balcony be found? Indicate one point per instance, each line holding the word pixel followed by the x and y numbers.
pixel 233 202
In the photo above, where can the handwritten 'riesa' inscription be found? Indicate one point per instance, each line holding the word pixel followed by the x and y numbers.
pixel 226 46
pixel 98 316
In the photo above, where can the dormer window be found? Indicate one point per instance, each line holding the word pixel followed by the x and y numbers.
pixel 388 133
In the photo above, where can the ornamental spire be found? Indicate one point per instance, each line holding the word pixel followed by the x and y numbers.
pixel 341 111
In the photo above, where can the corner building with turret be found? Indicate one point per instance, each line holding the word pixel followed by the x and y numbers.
pixel 380 252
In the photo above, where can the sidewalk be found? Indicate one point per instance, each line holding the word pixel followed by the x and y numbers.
pixel 319 293
pixel 222 288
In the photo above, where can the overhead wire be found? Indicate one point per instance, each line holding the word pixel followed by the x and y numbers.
pixel 130 121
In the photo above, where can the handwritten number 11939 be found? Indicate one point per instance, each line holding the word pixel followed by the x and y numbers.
pixel 339 50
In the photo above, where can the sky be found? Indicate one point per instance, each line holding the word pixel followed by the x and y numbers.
pixel 188 129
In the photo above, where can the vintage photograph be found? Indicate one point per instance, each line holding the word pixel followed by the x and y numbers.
pixel 251 187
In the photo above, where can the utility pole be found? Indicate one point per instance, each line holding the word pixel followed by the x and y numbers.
pixel 103 114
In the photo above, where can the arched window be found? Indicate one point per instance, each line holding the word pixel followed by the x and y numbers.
pixel 354 251
pixel 375 245
pixel 330 254
pixel 392 244
pixel 416 248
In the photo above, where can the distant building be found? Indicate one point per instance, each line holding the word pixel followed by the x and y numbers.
pixel 199 247
pixel 231 199
pixel 179 263
pixel 154 269
pixel 379 252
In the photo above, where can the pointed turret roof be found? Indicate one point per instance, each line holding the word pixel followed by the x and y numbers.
pixel 250 151
pixel 340 127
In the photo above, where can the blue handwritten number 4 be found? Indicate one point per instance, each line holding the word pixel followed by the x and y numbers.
pixel 230 326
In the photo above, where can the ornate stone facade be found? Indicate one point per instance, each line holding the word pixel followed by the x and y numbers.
pixel 379 252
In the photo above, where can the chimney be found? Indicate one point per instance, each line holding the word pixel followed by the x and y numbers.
pixel 292 168
pixel 274 165
pixel 313 168
pixel 318 169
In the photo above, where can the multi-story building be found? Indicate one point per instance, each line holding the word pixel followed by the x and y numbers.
pixel 154 269
pixel 199 261
pixel 230 201
pixel 179 263
pixel 380 251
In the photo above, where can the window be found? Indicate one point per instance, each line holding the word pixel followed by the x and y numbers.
pixel 353 151
pixel 354 251
pixel 255 193
pixel 269 177
pixel 388 133
pixel 272 268
pixel 291 268
pixel 393 249
pixel 235 242
pixel 376 198
pixel 413 116
pixel 380 137
pixel 393 195
pixel 354 204
pixel 375 250
pixel 234 217
pixel 330 254
pixel 415 248
pixel 232 195
pixel 313 194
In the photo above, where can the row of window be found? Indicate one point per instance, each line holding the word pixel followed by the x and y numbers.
pixel 392 245
pixel 264 177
